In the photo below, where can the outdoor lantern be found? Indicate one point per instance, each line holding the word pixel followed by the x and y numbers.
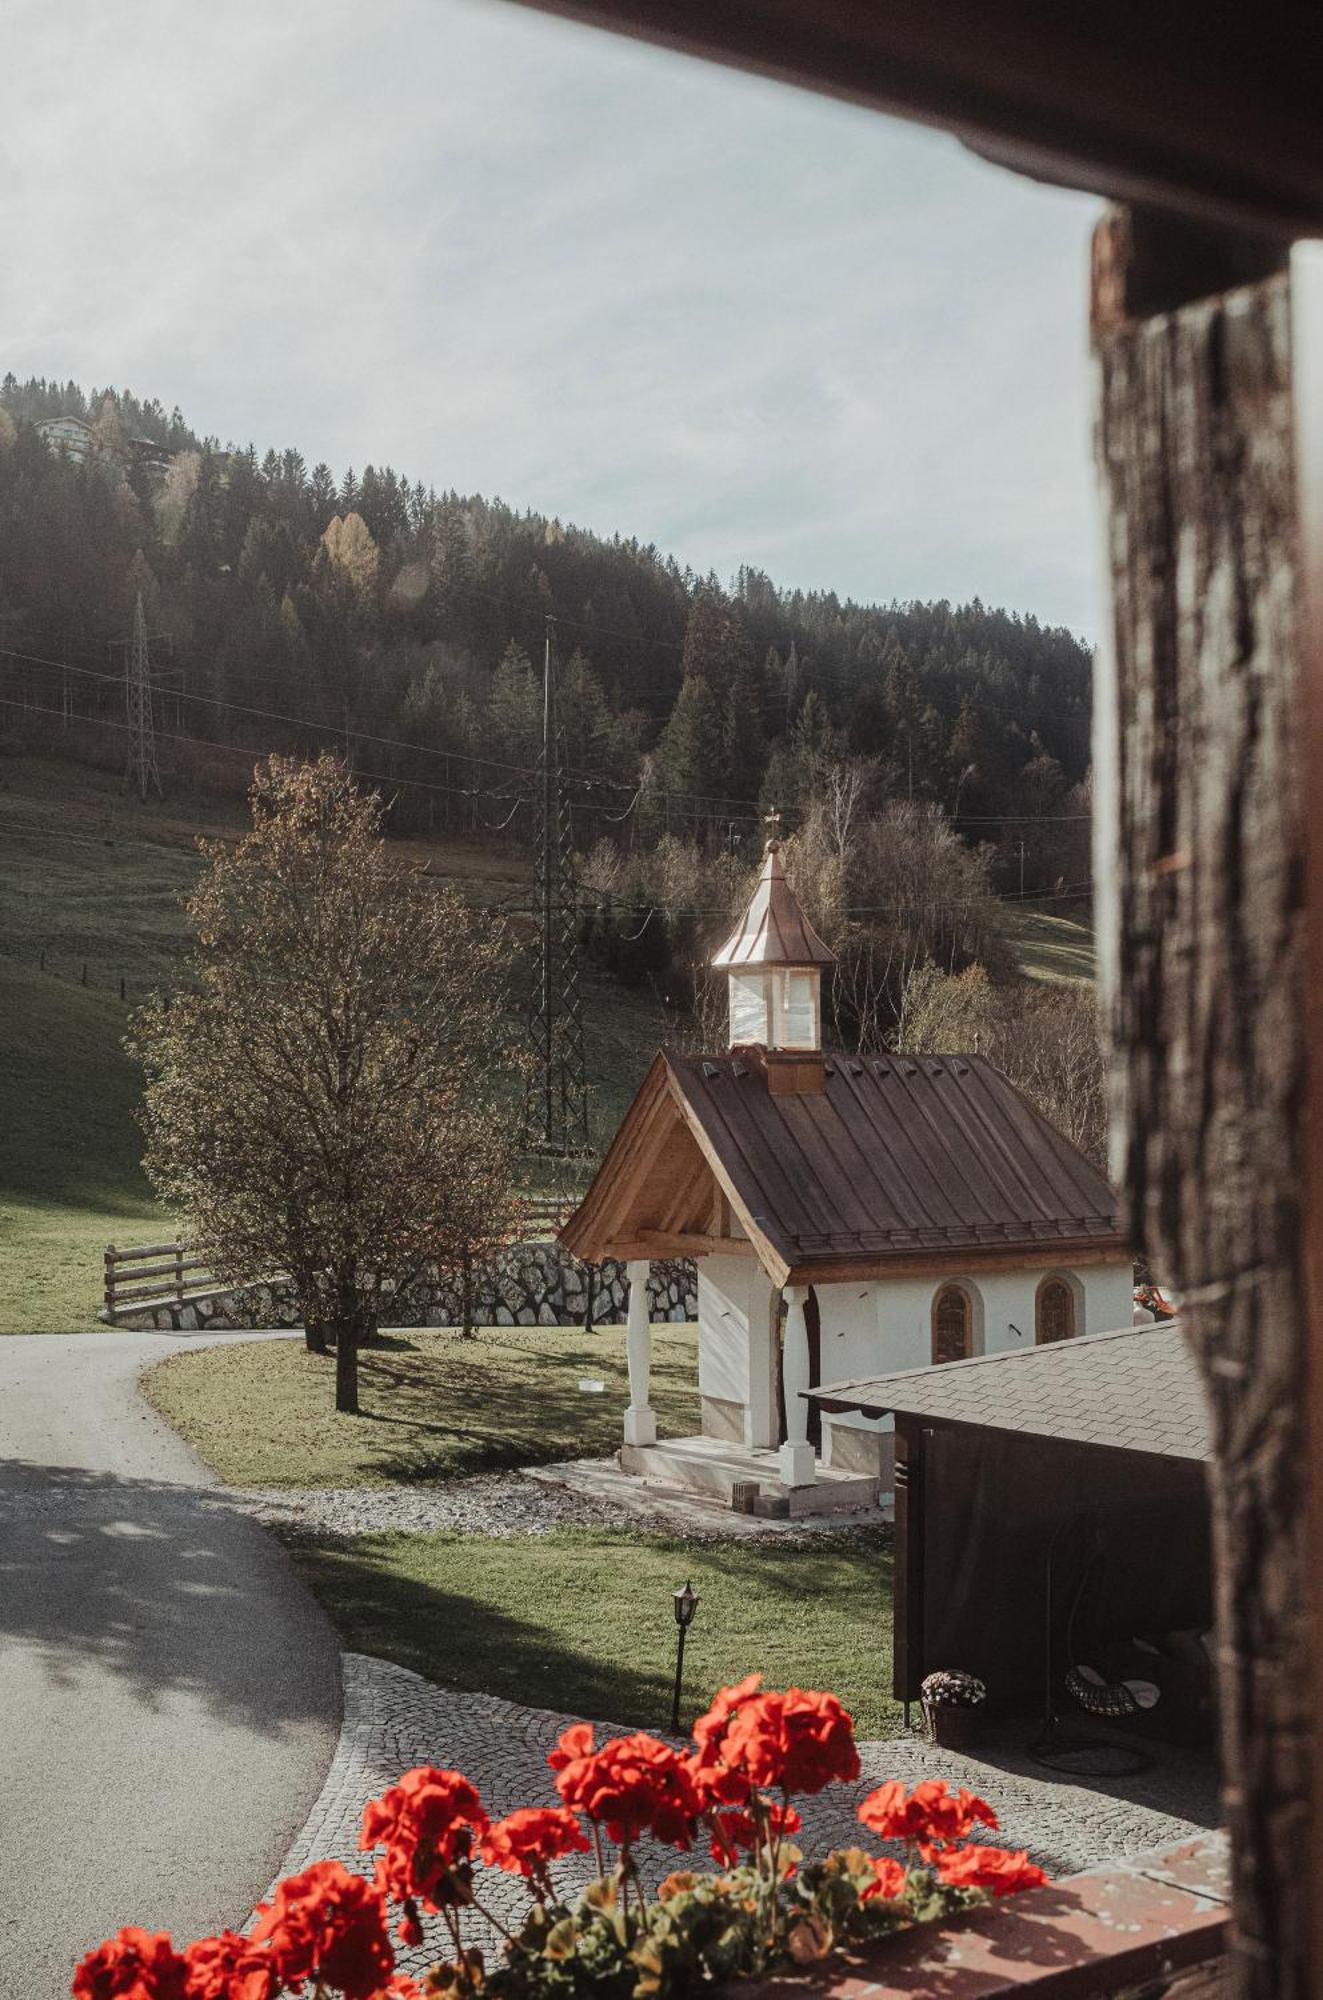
pixel 686 1603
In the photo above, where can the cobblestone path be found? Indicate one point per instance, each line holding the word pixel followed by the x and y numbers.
pixel 393 1720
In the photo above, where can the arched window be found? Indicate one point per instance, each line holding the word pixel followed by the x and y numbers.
pixel 953 1324
pixel 1054 1311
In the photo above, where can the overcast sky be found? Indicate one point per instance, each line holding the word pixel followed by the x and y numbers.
pixel 523 258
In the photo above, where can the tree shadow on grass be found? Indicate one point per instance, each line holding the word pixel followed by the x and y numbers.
pixel 456 1640
pixel 167 1588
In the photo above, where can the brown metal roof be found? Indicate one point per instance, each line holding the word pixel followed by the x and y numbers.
pixel 773 930
pixel 896 1156
pixel 1137 1389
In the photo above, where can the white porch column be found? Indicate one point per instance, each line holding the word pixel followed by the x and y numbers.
pixel 797 1465
pixel 640 1420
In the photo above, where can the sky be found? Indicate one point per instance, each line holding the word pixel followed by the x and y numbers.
pixel 514 256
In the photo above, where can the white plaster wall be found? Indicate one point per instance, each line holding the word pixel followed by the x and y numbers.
pixel 724 1285
pixel 873 1329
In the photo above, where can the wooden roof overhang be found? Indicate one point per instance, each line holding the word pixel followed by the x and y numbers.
pixel 898 1168
pixel 1210 112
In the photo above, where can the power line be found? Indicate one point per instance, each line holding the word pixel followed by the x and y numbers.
pixel 725 807
pixel 637 904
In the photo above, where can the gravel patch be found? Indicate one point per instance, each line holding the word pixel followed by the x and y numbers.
pixel 526 1502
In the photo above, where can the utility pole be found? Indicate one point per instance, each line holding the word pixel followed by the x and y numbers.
pixel 141 770
pixel 556 1109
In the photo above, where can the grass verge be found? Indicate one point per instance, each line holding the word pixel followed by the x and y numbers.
pixel 434 1406
pixel 582 1622
pixel 70 1181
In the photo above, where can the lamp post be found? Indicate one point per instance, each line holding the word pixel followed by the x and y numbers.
pixel 686 1603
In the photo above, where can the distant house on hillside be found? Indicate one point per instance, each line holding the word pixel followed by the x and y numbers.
pixel 68 434
pixel 850 1216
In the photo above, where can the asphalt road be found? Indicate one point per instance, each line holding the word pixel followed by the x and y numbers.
pixel 169 1692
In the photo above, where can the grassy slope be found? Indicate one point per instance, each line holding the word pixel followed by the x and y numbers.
pixel 1051 946
pixel 69 1176
pixel 93 879
pixel 582 1622
pixel 434 1406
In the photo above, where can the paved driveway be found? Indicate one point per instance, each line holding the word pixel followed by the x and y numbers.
pixel 169 1692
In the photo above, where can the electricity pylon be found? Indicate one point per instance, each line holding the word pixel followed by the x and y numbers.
pixel 556 1107
pixel 141 769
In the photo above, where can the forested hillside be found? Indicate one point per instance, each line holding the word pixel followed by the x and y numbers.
pixel 290 606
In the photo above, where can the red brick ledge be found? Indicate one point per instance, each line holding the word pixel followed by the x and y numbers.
pixel 1128 1923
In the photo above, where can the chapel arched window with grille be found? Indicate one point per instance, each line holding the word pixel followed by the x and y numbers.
pixel 953 1324
pixel 1054 1311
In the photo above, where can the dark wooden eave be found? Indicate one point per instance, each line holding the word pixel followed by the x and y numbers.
pixel 1209 111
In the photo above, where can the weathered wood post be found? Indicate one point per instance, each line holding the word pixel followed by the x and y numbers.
pixel 108 1270
pixel 1201 868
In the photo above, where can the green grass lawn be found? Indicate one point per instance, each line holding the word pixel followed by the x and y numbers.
pixel 434 1406
pixel 92 879
pixel 1049 945
pixel 70 1181
pixel 582 1622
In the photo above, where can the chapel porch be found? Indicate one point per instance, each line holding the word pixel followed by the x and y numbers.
pixel 748 1476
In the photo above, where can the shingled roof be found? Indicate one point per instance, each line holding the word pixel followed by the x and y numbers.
pixel 895 1159
pixel 1134 1390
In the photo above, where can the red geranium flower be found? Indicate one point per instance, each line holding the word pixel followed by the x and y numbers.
pixel 328 1925
pixel 426 1823
pixel 734 1833
pixel 710 1728
pixel 932 1816
pixel 888 1881
pixel 230 1967
pixel 526 1842
pixel 798 1741
pixel 633 1785
pixel 574 1742
pixel 133 1965
pixel 995 1868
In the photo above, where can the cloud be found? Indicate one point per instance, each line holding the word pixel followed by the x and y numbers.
pixel 515 256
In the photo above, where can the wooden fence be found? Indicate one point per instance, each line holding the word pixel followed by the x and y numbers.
pixel 171 1271
pixel 152 1271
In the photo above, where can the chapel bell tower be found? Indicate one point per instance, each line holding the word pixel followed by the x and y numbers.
pixel 773 960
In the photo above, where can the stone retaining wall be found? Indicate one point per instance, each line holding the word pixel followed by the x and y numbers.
pixel 532 1284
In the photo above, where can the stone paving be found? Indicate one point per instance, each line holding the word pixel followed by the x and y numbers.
pixel 393 1720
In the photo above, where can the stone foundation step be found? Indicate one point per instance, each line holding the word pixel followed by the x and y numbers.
pixel 712 1467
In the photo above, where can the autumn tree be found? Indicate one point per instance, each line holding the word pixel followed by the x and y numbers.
pixel 321 1091
pixel 1045 1036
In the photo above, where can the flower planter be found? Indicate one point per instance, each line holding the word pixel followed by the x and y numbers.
pixel 953 1725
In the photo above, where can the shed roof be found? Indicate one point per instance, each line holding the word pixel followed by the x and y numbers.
pixel 1137 1389
pixel 773 930
pixel 896 1159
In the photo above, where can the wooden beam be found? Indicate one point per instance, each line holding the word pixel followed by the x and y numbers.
pixel 1212 112
pixel 1199 722
pixel 907 1576
pixel 769 1255
pixel 938 1263
pixel 678 1243
pixel 1307 348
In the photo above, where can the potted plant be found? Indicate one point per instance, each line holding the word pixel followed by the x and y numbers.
pixel 952 1700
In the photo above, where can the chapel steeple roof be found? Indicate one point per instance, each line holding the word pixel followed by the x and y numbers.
pixel 773 930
